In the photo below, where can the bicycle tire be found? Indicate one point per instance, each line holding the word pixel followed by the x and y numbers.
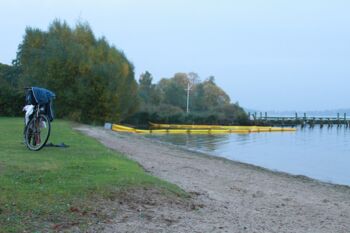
pixel 32 136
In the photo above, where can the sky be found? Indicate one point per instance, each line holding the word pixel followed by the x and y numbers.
pixel 266 54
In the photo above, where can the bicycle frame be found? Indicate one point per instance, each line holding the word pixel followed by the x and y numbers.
pixel 38 117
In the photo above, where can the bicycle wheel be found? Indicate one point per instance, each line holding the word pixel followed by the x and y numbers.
pixel 37 132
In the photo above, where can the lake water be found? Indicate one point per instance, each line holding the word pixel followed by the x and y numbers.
pixel 323 154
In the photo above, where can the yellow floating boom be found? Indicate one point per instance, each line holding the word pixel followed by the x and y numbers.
pixel 175 126
pixel 202 130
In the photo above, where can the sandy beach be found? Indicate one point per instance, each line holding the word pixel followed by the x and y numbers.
pixel 225 196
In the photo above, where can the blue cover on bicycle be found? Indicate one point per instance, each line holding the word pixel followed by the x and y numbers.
pixel 42 95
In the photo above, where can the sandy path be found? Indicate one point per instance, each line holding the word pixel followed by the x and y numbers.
pixel 228 196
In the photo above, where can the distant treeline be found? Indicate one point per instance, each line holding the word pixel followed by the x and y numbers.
pixel 166 102
pixel 94 83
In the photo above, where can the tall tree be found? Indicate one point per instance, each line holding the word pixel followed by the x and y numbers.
pixel 174 90
pixel 93 80
pixel 145 87
pixel 11 98
pixel 214 96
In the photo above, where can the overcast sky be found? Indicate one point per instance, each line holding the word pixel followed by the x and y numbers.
pixel 267 55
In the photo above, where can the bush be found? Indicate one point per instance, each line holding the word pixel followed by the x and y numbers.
pixel 234 115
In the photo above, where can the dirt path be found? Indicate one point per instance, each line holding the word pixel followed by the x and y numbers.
pixel 227 196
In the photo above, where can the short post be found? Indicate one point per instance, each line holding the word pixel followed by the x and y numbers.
pixel 312 124
pixel 108 125
pixel 338 118
pixel 344 121
pixel 254 116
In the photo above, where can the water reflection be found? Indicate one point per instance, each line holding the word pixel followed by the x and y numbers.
pixel 206 143
pixel 321 153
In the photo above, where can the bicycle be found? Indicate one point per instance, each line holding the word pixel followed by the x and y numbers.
pixel 39 114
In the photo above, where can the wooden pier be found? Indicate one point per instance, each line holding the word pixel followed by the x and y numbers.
pixel 304 120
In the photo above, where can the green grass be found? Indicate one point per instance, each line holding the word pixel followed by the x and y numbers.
pixel 39 189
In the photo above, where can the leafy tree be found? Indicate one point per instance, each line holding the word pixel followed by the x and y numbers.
pixel 213 95
pixel 198 96
pixel 173 90
pixel 11 99
pixel 93 80
pixel 147 91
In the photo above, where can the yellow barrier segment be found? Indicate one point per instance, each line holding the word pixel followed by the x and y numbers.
pixel 243 130
pixel 235 127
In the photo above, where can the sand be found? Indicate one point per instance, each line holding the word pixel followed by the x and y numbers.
pixel 225 196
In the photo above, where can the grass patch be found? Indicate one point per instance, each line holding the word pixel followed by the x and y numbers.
pixel 44 189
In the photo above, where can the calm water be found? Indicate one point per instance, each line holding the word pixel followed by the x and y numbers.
pixel 322 154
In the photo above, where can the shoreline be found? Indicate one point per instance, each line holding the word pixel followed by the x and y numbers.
pixel 247 165
pixel 232 196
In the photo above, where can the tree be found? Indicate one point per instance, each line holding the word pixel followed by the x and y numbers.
pixel 198 97
pixel 93 80
pixel 145 87
pixel 213 95
pixel 173 90
pixel 11 98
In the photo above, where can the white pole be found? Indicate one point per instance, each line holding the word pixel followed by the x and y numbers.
pixel 188 95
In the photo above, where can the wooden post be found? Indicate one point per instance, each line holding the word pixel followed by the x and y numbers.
pixel 254 116
pixel 338 121
pixel 344 120
pixel 313 122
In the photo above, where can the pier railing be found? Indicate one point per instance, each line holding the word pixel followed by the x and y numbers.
pixel 303 120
